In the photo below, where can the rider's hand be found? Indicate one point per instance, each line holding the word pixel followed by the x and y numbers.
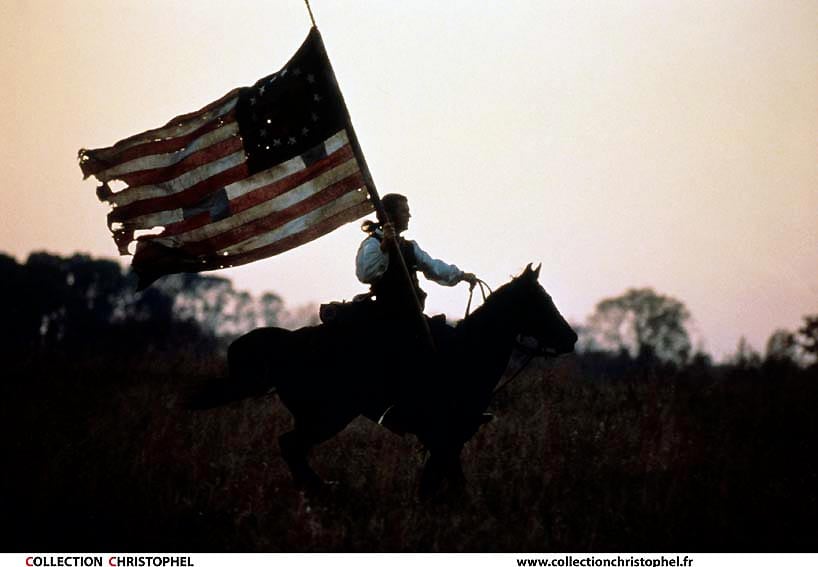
pixel 389 235
pixel 471 278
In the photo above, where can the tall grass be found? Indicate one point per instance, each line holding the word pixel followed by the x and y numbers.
pixel 99 455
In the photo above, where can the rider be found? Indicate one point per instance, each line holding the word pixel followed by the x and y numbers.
pixel 374 263
pixel 377 266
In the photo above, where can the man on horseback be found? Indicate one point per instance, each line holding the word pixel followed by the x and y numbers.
pixel 375 264
pixel 378 265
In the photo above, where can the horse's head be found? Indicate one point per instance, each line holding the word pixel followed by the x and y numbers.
pixel 539 318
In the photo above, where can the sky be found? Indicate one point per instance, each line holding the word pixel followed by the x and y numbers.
pixel 663 144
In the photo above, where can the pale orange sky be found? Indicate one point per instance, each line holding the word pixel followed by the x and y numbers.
pixel 663 144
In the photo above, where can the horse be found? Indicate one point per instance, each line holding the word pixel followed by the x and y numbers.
pixel 328 375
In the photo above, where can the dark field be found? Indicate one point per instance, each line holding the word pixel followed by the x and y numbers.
pixel 98 456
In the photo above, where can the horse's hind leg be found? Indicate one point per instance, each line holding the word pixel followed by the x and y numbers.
pixel 295 448
pixel 310 431
pixel 442 467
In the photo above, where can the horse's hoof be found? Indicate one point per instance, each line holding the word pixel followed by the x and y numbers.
pixel 486 418
pixel 318 487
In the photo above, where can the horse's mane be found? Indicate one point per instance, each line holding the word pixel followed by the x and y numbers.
pixel 496 304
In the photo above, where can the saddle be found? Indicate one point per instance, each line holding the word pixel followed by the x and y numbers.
pixel 359 311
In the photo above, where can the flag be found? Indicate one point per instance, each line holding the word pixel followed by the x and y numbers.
pixel 259 171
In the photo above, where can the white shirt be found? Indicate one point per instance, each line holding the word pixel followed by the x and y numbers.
pixel 371 263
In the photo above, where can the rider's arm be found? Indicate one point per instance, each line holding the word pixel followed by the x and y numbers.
pixel 371 262
pixel 437 270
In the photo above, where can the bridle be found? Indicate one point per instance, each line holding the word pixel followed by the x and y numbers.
pixel 530 352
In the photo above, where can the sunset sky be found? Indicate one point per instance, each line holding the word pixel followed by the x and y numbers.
pixel 663 144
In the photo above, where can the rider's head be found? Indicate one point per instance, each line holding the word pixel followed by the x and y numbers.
pixel 397 207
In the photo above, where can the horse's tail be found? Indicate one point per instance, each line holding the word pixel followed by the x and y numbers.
pixel 254 361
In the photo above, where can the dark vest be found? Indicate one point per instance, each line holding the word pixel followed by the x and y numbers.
pixel 390 289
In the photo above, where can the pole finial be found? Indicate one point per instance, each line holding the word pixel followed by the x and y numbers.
pixel 312 19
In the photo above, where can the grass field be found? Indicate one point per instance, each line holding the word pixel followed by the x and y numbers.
pixel 100 457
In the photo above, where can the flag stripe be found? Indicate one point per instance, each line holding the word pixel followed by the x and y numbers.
pixel 146 254
pixel 145 198
pixel 337 195
pixel 260 220
pixel 212 153
pixel 143 192
pixel 197 230
pixel 309 233
pixel 296 224
pixel 93 162
pixel 185 225
pixel 284 169
pixel 179 126
pixel 262 193
pixel 153 220
pixel 158 160
pixel 281 186
pixel 187 196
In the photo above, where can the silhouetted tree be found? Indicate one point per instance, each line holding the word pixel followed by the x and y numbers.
pixel 271 308
pixel 79 303
pixel 745 356
pixel 646 324
pixel 808 338
pixel 782 346
pixel 302 316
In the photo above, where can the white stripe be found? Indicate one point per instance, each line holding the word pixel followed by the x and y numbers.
pixel 166 132
pixel 336 141
pixel 164 160
pixel 298 225
pixel 282 170
pixel 266 208
pixel 162 218
pixel 178 184
pixel 266 177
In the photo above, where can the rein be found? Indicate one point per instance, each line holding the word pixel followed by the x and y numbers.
pixel 531 353
pixel 483 287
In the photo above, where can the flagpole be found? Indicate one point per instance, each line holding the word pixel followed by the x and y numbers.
pixel 383 217
pixel 312 19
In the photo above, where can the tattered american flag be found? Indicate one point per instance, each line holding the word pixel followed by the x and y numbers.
pixel 261 170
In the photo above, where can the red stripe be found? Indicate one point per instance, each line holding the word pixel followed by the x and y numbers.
pixel 186 198
pixel 275 219
pixel 295 240
pixel 197 221
pixel 94 161
pixel 194 160
pixel 208 107
pixel 267 192
pixel 147 134
pixel 153 260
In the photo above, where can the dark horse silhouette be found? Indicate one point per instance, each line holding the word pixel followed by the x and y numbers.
pixel 330 374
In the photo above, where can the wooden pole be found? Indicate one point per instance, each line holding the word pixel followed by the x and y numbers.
pixel 383 217
pixel 307 2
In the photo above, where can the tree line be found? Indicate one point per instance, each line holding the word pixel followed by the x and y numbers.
pixel 645 326
pixel 78 303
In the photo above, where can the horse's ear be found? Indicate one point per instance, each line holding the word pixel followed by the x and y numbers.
pixel 532 273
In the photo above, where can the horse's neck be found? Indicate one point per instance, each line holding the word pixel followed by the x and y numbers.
pixel 492 329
